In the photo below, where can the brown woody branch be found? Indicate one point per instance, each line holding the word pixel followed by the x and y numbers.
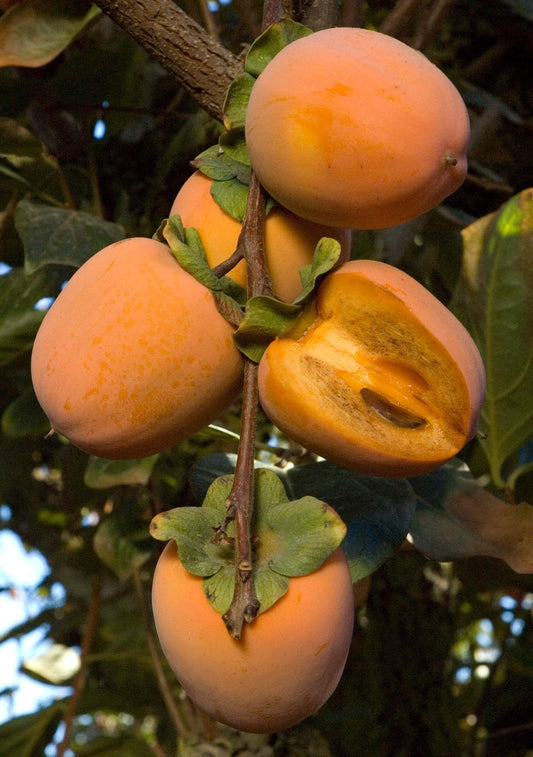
pixel 204 67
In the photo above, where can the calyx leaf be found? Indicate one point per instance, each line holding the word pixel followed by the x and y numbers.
pixel 290 538
pixel 186 246
pixel 266 318
pixel 228 163
pixel 270 42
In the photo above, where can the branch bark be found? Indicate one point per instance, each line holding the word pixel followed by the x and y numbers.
pixel 204 67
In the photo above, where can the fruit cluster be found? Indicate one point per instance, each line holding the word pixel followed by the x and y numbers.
pixel 346 129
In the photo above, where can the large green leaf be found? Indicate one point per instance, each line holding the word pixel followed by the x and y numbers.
pixel 58 235
pixel 27 736
pixel 34 32
pixel 494 299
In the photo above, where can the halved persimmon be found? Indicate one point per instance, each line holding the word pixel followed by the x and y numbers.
pixel 382 378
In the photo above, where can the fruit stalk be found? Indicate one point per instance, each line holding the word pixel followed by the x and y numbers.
pixel 239 507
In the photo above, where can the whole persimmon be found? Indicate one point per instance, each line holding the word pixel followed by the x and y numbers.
pixel 290 241
pixel 288 661
pixel 133 356
pixel 381 377
pixel 352 128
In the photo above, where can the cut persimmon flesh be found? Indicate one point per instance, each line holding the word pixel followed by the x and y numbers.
pixel 384 380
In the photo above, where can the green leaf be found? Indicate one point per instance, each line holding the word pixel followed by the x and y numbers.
pixel 325 257
pixel 24 416
pixel 34 32
pixel 233 143
pixel 57 235
pixel 29 735
pixel 186 246
pixel 270 42
pixel 265 318
pixel 231 196
pixel 102 474
pixel 494 299
pixel 19 318
pixel 456 518
pixel 193 529
pixel 121 544
pixel 236 101
pixel 214 163
pixel 306 528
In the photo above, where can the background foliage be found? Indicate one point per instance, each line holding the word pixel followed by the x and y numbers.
pixel 95 141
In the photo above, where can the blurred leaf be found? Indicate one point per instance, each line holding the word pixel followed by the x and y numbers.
pixel 523 8
pixel 17 141
pixel 120 745
pixel 57 666
pixel 27 736
pixel 57 235
pixel 456 518
pixel 121 544
pixel 25 416
pixel 34 32
pixel 494 299
pixel 19 319
pixel 102 474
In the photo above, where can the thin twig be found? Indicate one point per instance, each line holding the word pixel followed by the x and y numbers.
pixel 81 676
pixel 430 22
pixel 399 17
pixel 180 724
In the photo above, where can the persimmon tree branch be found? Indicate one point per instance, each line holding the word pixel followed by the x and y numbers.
pixel 204 67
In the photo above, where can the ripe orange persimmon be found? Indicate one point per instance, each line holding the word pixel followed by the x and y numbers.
pixel 352 128
pixel 289 240
pixel 288 661
pixel 382 377
pixel 133 356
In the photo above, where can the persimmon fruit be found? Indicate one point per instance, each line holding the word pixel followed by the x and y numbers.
pixel 133 355
pixel 352 128
pixel 288 661
pixel 380 376
pixel 290 241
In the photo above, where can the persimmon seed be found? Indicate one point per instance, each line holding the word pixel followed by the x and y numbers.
pixel 390 412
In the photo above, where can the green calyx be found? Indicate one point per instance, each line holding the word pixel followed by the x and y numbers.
pixel 290 539
pixel 266 318
pixel 260 319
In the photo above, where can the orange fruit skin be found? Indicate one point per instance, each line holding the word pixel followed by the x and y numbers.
pixel 352 128
pixel 290 241
pixel 393 309
pixel 133 355
pixel 287 662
